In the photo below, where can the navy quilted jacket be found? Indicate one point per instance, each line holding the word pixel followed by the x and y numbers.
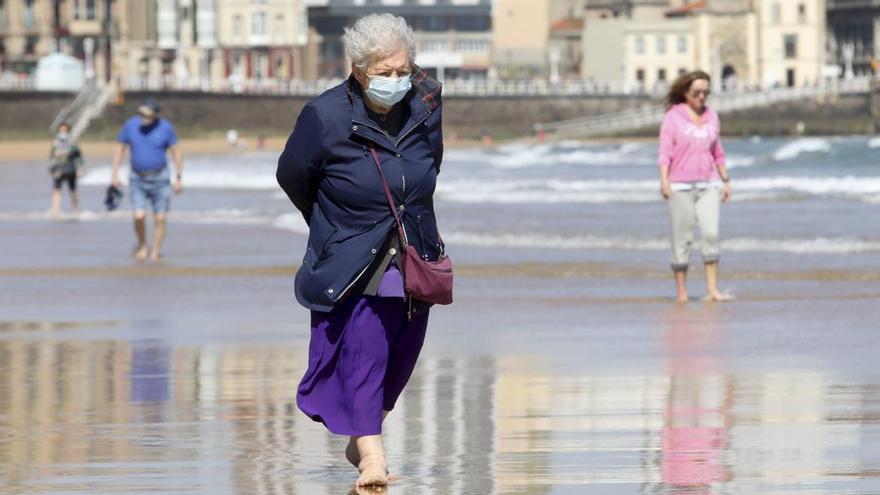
pixel 328 173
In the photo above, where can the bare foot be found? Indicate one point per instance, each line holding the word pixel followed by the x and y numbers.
pixel 369 490
pixel 718 297
pixel 155 256
pixel 373 471
pixel 354 457
pixel 140 253
pixel 681 298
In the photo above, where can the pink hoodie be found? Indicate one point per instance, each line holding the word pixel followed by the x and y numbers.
pixel 691 151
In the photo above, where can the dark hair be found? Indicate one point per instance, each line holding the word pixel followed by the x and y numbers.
pixel 64 124
pixel 682 85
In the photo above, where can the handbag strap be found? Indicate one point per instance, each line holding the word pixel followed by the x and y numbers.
pixel 388 195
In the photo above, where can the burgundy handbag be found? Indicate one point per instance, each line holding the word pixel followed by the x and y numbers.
pixel 429 281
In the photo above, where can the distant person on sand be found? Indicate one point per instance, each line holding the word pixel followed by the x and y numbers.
pixel 366 334
pixel 149 137
pixel 693 178
pixel 67 166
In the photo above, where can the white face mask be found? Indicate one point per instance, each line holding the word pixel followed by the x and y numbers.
pixel 62 136
pixel 388 91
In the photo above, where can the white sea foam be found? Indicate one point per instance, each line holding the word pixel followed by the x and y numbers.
pixel 874 142
pixel 740 161
pixel 520 155
pixel 638 191
pixel 794 149
pixel 255 170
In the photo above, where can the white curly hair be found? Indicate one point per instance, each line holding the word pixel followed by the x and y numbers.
pixel 378 35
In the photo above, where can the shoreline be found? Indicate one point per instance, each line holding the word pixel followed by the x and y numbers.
pixel 19 150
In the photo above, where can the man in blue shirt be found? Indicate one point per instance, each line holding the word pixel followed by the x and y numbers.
pixel 149 138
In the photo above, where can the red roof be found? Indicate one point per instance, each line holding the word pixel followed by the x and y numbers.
pixel 567 24
pixel 686 9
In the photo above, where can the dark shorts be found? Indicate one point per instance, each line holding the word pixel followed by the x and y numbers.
pixel 69 178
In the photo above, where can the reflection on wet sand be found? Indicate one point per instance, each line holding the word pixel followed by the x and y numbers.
pixel 484 270
pixel 148 416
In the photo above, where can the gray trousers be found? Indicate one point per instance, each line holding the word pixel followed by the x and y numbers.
pixel 687 209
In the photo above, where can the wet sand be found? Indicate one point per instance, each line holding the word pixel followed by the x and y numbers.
pixel 553 378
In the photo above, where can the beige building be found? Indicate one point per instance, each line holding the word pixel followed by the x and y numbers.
pixel 264 39
pixel 31 29
pixel 741 43
pixel 182 42
pixel 26 33
pixel 791 37
pixel 656 52
pixel 537 38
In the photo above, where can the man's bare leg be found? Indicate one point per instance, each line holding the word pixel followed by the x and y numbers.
pixel 140 230
pixel 74 201
pixel 158 236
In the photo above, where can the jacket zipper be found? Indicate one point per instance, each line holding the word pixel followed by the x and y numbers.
pixel 397 144
pixel 359 275
pixel 399 140
pixel 402 136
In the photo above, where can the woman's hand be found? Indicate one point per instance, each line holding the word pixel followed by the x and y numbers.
pixel 665 190
pixel 725 192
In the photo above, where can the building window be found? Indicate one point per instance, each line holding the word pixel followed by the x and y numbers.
pixel 30 45
pixel 776 12
pixel 682 44
pixel 472 46
pixel 802 13
pixel 790 41
pixel 280 67
pixel 258 24
pixel 27 14
pixel 236 27
pixel 435 23
pixel 2 13
pixel 640 45
pixel 682 71
pixel 434 46
pixel 661 45
pixel 261 68
pixel 661 75
pixel 84 9
pixel 640 76
pixel 278 30
pixel 471 23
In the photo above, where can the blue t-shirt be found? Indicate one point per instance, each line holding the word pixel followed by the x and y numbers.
pixel 148 144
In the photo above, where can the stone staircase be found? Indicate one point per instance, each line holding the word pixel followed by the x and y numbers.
pixel 88 104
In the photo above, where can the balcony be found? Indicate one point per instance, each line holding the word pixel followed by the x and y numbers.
pixel 409 7
pixel 852 4
pixel 85 27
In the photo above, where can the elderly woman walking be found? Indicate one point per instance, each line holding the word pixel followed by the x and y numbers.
pixel 693 178
pixel 366 334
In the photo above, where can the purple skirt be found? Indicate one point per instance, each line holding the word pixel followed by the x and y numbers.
pixel 361 356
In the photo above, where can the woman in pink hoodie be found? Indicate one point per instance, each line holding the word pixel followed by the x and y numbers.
pixel 693 178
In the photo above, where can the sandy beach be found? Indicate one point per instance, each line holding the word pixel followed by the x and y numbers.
pixel 563 367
